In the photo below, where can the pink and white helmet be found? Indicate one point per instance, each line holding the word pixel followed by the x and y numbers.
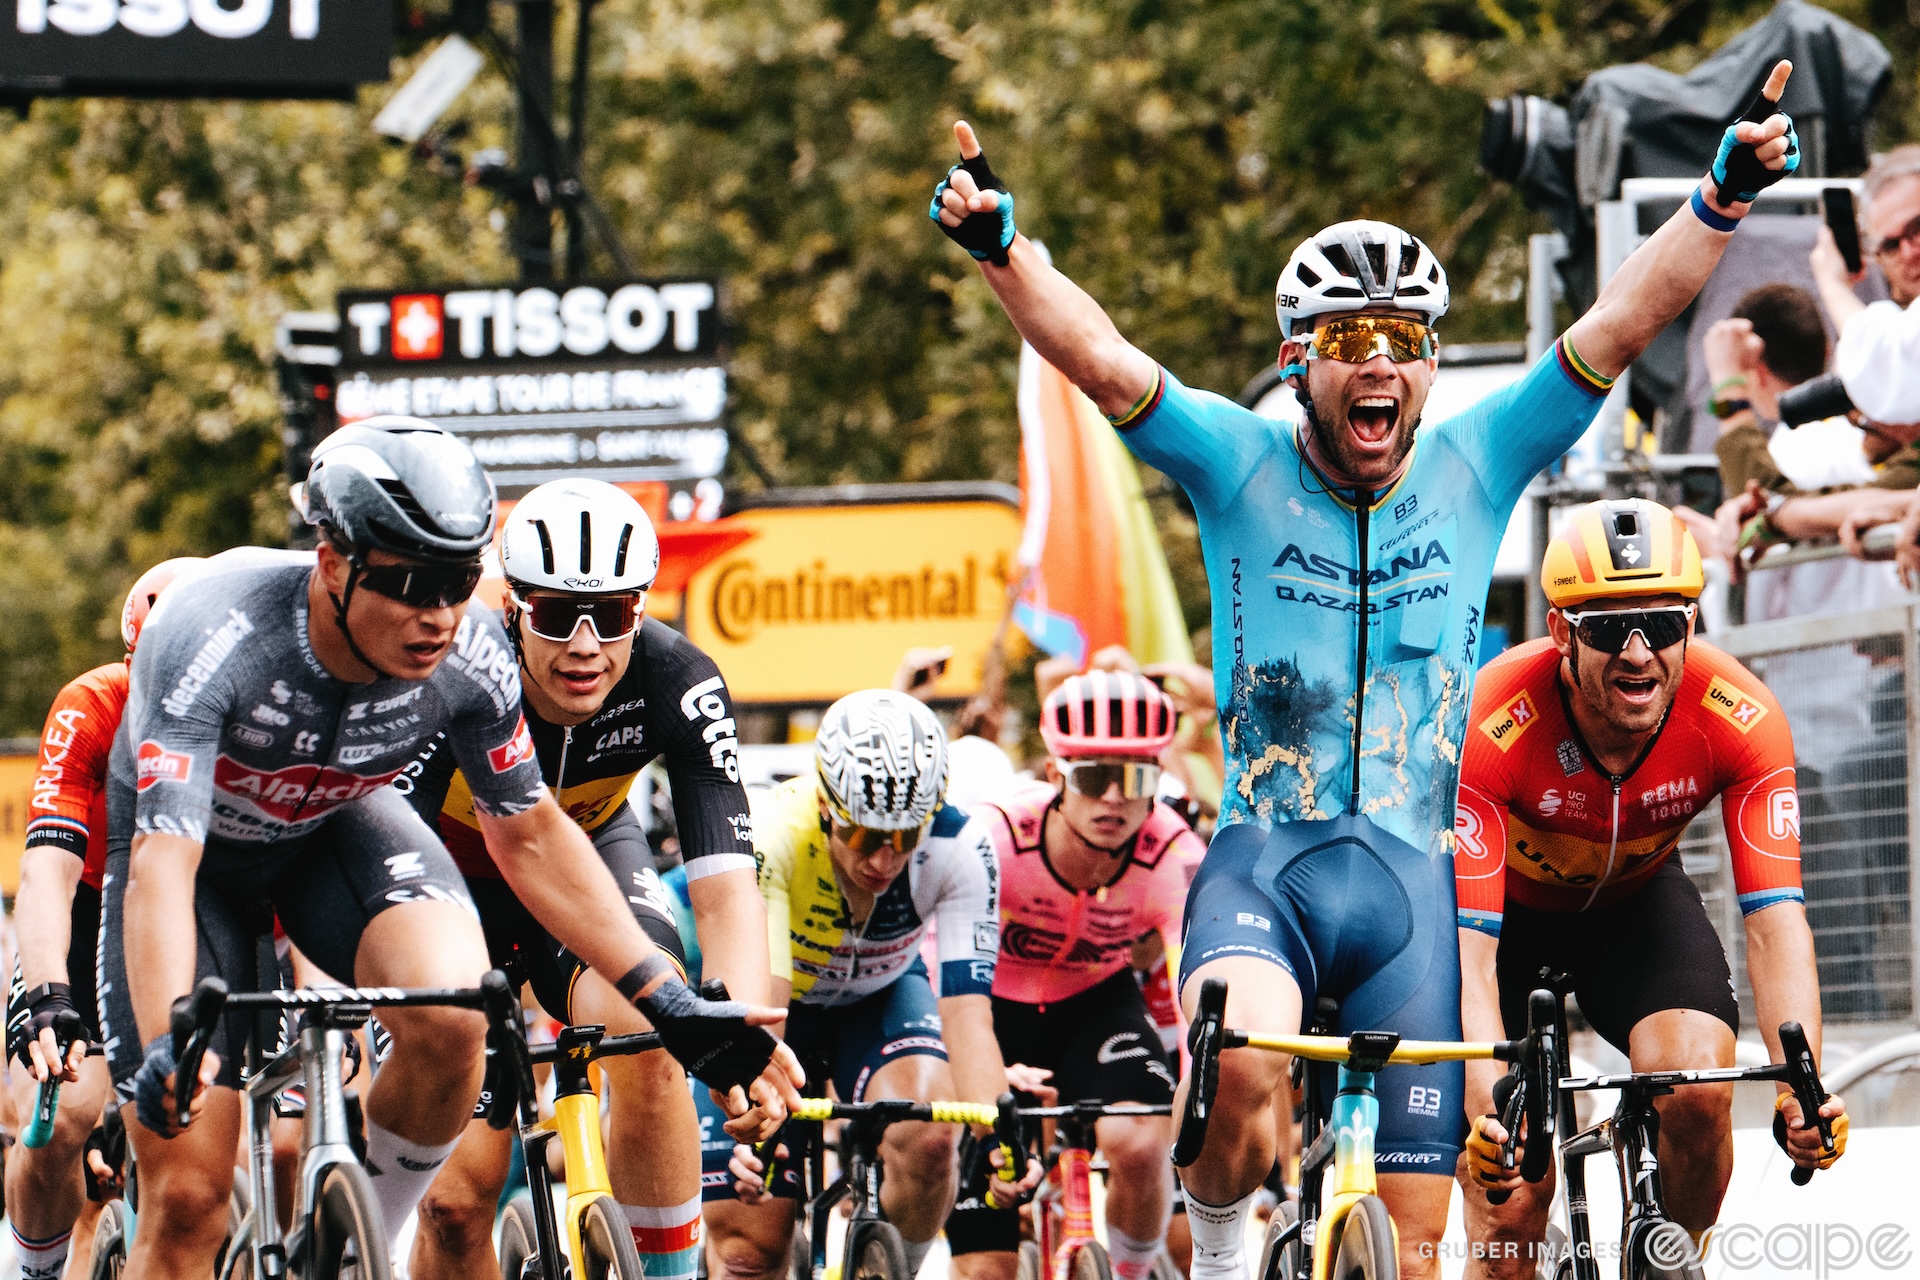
pixel 1107 713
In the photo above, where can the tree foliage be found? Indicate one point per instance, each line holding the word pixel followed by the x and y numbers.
pixel 1169 152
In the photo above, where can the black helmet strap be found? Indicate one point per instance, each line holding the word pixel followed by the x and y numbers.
pixel 340 604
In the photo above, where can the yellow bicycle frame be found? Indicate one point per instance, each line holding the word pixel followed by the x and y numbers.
pixel 576 1118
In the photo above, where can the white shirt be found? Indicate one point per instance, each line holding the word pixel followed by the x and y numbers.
pixel 1878 360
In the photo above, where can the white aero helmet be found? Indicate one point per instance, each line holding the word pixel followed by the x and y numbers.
pixel 1351 266
pixel 881 757
pixel 582 536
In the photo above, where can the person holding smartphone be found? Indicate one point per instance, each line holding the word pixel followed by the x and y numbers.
pixel 1878 355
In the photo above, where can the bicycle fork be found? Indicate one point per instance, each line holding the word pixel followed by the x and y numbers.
pixel 325 1141
pixel 1074 1175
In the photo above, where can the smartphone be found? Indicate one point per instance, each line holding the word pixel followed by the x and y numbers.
pixel 928 674
pixel 1844 223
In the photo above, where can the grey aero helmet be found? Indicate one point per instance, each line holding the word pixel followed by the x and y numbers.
pixel 881 758
pixel 399 484
pixel 1351 266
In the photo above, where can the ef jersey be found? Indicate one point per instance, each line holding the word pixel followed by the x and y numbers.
pixel 68 806
pixel 811 937
pixel 671 702
pixel 1347 626
pixel 1540 823
pixel 235 730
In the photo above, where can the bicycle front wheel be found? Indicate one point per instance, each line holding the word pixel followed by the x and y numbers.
pixel 1658 1249
pixel 349 1236
pixel 607 1242
pixel 1282 1261
pixel 110 1239
pixel 520 1241
pixel 875 1251
pixel 1030 1265
pixel 235 1260
pixel 1366 1244
pixel 1090 1262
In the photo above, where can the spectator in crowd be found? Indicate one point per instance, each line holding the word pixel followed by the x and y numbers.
pixel 1878 357
pixel 978 769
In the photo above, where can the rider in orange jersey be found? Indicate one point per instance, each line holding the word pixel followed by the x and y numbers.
pixel 1590 752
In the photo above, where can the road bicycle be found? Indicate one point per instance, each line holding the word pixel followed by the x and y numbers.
pixel 338 1229
pixel 1352 1236
pixel 874 1249
pixel 599 1242
pixel 1652 1245
pixel 1063 1205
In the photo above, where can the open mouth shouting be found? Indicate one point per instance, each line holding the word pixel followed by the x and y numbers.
pixel 1635 689
pixel 1372 421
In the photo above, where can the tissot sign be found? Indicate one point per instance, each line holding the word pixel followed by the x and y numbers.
pixel 194 48
pixel 619 379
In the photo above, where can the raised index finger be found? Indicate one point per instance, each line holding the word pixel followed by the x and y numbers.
pixel 1777 80
pixel 970 145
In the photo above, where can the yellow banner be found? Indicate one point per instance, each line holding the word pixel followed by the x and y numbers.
pixel 824 600
pixel 16 788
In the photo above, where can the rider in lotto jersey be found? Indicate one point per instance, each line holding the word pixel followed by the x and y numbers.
pixel 51 1000
pixel 858 858
pixel 274 696
pixel 605 690
pixel 1348 558
pixel 1090 863
pixel 1591 751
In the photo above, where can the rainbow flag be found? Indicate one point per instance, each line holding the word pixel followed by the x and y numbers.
pixel 1095 571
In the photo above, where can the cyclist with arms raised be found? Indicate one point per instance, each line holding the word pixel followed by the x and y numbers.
pixel 274 697
pixel 1089 863
pixel 51 1004
pixel 605 690
pixel 1591 751
pixel 1348 564
pixel 856 861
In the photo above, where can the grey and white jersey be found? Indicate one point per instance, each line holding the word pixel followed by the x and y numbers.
pixel 235 731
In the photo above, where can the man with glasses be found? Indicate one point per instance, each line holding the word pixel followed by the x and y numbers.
pixel 1878 355
pixel 1348 566
pixel 1591 751
pixel 274 696
pixel 1089 864
pixel 606 691
pixel 858 858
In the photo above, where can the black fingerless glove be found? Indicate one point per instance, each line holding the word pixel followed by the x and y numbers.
pixel 710 1038
pixel 988 235
pixel 46 1005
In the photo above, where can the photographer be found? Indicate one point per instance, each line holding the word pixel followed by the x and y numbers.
pixel 1878 357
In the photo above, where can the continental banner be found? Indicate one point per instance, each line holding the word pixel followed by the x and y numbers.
pixel 824 600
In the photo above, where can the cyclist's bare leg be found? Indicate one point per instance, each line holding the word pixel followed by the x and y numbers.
pixel 921 1172
pixel 749 1241
pixel 1418 1203
pixel 653 1150
pixel 455 1238
pixel 1503 1240
pixel 46 1193
pixel 1243 1128
pixel 1696 1120
pixel 184 1185
pixel 424 1093
pixel 1139 1181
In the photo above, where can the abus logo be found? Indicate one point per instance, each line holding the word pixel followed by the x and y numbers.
pixel 153 763
pixel 165 17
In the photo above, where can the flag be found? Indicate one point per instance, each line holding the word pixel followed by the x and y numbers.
pixel 1095 573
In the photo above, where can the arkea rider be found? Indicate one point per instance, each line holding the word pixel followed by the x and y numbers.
pixel 51 1009
pixel 858 858
pixel 274 697
pixel 605 690
pixel 1090 863
pixel 1592 751
pixel 1347 564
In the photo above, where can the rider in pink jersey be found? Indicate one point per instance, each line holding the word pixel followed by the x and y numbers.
pixel 1089 863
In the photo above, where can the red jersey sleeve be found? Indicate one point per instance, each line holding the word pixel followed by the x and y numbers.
pixel 1504 712
pixel 1760 804
pixel 67 807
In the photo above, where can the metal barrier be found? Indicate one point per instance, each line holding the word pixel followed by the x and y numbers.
pixel 1844 684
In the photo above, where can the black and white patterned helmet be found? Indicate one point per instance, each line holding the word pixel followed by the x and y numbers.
pixel 1352 266
pixel 881 757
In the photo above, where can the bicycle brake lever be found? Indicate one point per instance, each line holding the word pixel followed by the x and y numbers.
pixel 1803 1076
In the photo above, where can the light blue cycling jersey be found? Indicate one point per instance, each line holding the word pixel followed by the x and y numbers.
pixel 1294 598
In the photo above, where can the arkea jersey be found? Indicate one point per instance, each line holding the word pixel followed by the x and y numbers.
pixel 1541 824
pixel 1288 560
pixel 814 944
pixel 1056 941
pixel 671 702
pixel 68 806
pixel 234 730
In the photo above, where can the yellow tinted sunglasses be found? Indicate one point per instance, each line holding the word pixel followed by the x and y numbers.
pixel 1356 339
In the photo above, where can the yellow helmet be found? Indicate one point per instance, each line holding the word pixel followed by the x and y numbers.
pixel 1631 547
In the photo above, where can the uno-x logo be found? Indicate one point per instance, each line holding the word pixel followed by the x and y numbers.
pixel 1730 703
pixel 1507 724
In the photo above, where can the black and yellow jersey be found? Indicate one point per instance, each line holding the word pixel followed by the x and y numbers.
pixel 671 702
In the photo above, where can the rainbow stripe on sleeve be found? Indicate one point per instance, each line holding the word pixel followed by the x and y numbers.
pixel 1146 404
pixel 1579 372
